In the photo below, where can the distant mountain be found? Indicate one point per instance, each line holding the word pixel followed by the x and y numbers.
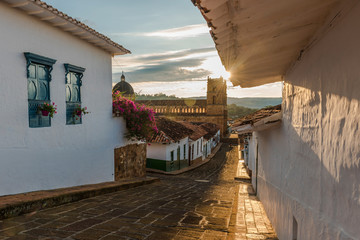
pixel 254 102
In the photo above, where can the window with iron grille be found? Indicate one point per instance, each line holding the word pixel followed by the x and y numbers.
pixel 184 151
pixel 39 76
pixel 73 82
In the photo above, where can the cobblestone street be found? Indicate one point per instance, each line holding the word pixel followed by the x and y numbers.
pixel 205 203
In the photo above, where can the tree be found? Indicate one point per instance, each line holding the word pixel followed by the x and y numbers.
pixel 235 111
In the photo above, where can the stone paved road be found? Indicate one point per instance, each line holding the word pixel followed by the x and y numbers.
pixel 200 204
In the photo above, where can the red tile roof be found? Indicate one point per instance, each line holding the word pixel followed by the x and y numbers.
pixel 169 131
pixel 173 131
pixel 257 116
pixel 210 128
pixel 198 132
pixel 113 47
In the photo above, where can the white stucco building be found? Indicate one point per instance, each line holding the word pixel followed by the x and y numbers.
pixel 308 166
pixel 179 144
pixel 210 133
pixel 196 142
pixel 168 150
pixel 47 56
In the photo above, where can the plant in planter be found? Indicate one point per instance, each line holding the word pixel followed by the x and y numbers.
pixel 140 120
pixel 78 111
pixel 48 109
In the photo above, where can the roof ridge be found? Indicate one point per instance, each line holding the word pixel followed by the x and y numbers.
pixel 78 23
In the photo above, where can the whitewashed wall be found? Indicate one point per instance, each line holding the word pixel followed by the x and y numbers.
pixel 156 151
pixel 194 145
pixel 174 147
pixel 207 150
pixel 309 168
pixel 61 155
pixel 163 151
pixel 252 153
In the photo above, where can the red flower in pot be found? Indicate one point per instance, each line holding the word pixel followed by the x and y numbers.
pixel 48 109
pixel 78 111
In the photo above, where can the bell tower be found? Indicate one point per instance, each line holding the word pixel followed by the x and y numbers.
pixel 217 102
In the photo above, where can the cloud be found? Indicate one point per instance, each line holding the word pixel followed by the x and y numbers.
pixel 181 32
pixel 132 62
pixel 167 71
pixel 188 31
pixel 183 73
pixel 179 54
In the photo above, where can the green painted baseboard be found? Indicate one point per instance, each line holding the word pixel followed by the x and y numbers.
pixel 166 166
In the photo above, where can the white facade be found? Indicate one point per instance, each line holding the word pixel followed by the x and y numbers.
pixel 206 147
pixel 196 148
pixel 163 151
pixel 156 151
pixel 211 144
pixel 309 167
pixel 61 155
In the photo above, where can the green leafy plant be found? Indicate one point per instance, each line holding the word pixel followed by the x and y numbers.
pixel 47 109
pixel 140 120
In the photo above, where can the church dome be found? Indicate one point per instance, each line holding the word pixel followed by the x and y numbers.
pixel 124 87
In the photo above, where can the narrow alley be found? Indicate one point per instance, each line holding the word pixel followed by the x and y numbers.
pixel 205 203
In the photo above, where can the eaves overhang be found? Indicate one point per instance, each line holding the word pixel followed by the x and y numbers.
pixel 261 125
pixel 259 40
pixel 62 21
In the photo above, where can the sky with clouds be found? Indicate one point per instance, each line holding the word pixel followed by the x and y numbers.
pixel 172 51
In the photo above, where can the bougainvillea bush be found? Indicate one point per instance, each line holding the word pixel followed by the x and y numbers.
pixel 140 120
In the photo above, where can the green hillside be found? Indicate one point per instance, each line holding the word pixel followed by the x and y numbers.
pixel 254 102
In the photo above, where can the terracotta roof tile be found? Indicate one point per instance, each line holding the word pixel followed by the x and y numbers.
pixel 198 132
pixel 256 116
pixel 169 131
pixel 77 23
pixel 210 128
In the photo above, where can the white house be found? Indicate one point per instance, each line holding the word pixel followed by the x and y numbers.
pixel 308 167
pixel 211 136
pixel 47 56
pixel 168 150
pixel 179 144
pixel 196 142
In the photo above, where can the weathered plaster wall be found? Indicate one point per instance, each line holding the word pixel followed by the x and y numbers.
pixel 156 151
pixel 309 168
pixel 197 151
pixel 174 147
pixel 130 161
pixel 61 155
pixel 162 151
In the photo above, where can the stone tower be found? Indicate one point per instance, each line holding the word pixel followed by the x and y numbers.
pixel 217 102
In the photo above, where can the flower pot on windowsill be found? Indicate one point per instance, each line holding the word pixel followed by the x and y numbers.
pixel 44 113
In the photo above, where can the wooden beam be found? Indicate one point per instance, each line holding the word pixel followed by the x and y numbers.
pixel 79 32
pixel 70 29
pixel 47 18
pixel 60 24
pixel 36 12
pixel 21 4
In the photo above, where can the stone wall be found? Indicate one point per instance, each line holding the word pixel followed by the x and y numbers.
pixel 130 161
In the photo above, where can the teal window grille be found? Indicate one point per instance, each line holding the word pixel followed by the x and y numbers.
pixel 73 82
pixel 39 76
pixel 184 151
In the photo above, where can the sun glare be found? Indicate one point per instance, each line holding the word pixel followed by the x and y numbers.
pixel 214 65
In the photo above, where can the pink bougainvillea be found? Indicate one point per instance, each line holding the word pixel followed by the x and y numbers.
pixel 140 120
